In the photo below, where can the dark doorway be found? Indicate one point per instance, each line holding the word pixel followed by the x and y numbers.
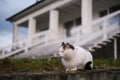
pixel 68 25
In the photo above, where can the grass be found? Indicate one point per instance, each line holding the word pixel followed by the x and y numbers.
pixel 106 64
pixel 29 65
pixel 41 65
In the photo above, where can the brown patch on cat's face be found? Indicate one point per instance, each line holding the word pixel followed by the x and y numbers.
pixel 67 46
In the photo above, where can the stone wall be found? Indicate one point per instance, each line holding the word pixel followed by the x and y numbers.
pixel 80 75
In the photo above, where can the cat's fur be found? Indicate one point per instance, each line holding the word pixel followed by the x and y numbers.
pixel 74 57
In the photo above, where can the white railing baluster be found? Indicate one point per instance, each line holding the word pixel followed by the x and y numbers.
pixel 105 30
pixel 46 38
pixel 77 37
pixel 26 45
pixel 3 53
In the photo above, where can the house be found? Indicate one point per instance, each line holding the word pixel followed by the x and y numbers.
pixel 81 22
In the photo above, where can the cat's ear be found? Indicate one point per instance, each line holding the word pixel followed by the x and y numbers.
pixel 70 46
pixel 63 44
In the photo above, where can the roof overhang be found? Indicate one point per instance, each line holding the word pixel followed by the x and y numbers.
pixel 30 9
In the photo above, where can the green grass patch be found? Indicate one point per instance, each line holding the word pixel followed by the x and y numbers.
pixel 42 65
pixel 106 63
pixel 30 65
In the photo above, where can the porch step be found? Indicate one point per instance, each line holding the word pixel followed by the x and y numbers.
pixel 99 45
pixel 106 49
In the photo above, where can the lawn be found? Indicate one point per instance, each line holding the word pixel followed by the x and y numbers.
pixel 42 65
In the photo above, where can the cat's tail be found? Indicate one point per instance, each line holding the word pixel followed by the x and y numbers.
pixel 88 66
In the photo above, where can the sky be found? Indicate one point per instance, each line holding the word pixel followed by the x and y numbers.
pixel 7 9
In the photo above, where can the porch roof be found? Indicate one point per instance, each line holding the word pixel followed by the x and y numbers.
pixel 30 9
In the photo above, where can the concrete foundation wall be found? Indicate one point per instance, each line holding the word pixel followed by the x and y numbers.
pixel 81 75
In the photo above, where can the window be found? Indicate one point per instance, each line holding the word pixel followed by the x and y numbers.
pixel 103 13
pixel 116 18
pixel 78 21
pixel 109 10
pixel 114 8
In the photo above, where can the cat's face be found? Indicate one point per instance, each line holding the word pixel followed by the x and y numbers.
pixel 66 50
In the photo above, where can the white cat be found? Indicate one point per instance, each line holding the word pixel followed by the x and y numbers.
pixel 74 57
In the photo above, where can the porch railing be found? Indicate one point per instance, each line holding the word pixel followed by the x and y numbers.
pixel 103 32
pixel 38 39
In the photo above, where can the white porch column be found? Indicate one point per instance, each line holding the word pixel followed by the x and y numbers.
pixel 31 27
pixel 15 36
pixel 16 33
pixel 86 12
pixel 54 24
pixel 31 31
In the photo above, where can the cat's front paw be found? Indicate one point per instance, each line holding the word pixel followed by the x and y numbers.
pixel 71 70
